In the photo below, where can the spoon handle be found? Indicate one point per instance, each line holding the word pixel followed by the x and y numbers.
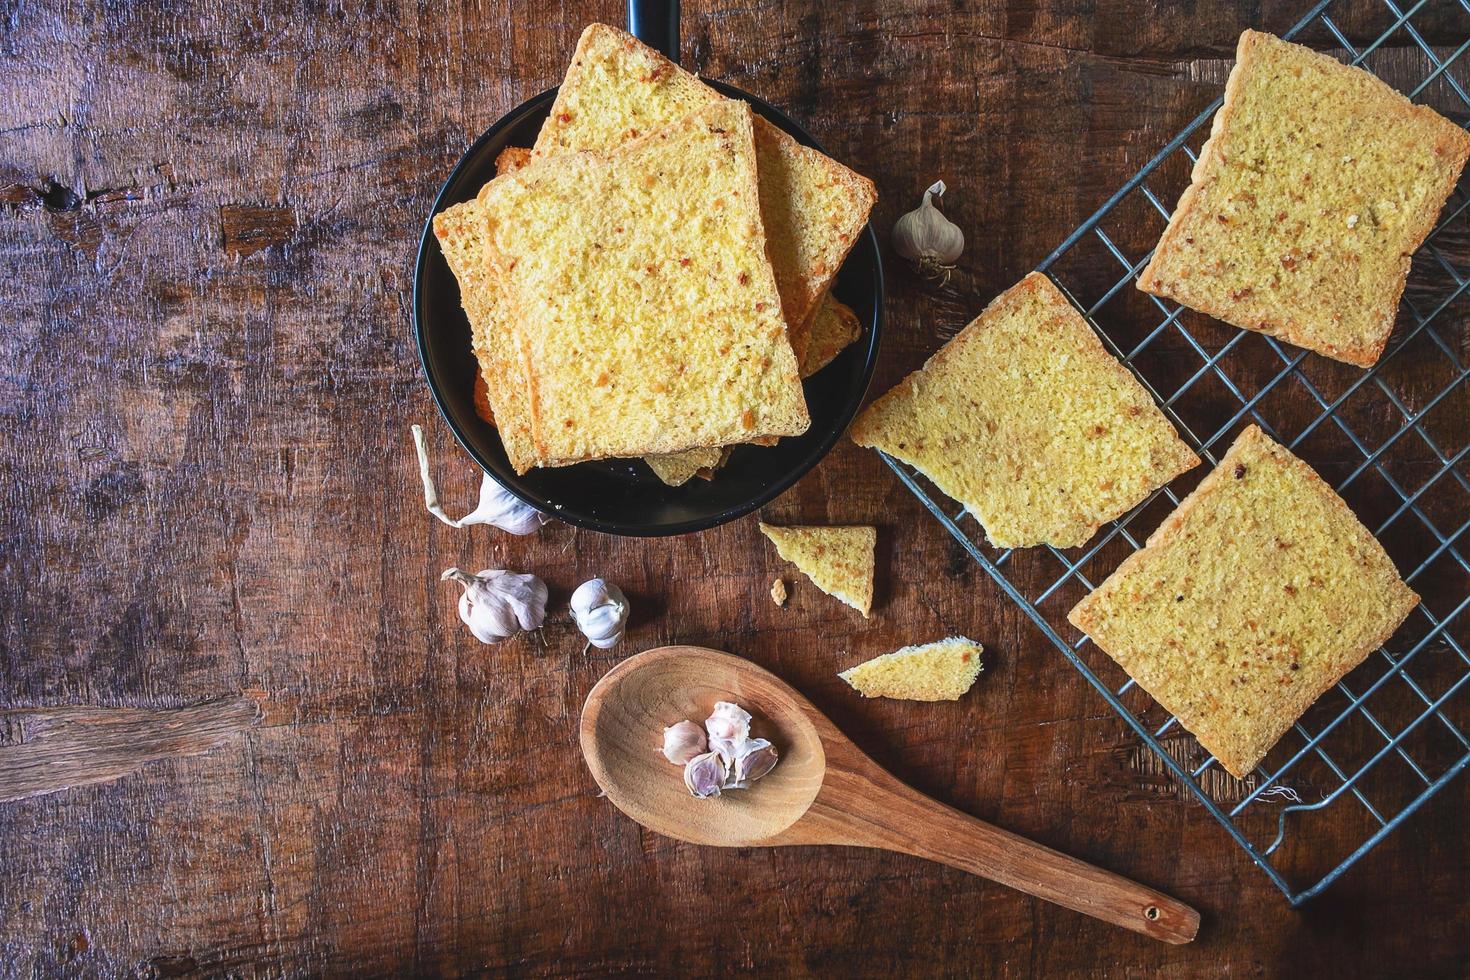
pixel 873 809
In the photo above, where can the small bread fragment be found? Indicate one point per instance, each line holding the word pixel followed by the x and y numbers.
pixel 940 671
pixel 1255 596
pixel 1026 420
pixel 511 159
pixel 838 559
pixel 814 208
pixel 604 263
pixel 778 592
pixel 1315 188
pixel 677 469
pixel 834 326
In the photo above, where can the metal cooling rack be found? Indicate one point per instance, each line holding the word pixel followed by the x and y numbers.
pixel 1386 739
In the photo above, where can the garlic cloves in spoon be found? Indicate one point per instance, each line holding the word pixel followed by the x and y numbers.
pixel 928 239
pixel 600 611
pixel 497 603
pixel 498 506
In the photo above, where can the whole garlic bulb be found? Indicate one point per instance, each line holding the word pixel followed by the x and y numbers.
pixel 929 239
pixel 497 603
pixel 682 742
pixel 601 612
pixel 498 506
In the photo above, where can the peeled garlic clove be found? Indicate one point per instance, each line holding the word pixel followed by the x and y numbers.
pixel 683 742
pixel 498 506
pixel 600 611
pixel 704 775
pixel 757 757
pixel 927 238
pixel 495 603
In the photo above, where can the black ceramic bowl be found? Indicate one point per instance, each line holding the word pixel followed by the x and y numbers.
pixel 623 496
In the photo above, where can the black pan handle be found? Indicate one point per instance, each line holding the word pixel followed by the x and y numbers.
pixel 656 24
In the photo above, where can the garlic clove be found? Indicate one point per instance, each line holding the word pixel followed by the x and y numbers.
pixel 600 611
pixel 927 238
pixel 757 757
pixel 683 742
pixel 497 507
pixel 496 603
pixel 704 775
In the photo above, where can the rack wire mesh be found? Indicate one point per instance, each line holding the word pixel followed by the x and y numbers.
pixel 1391 440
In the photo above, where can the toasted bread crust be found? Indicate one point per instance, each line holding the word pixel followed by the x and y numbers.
pixel 1315 246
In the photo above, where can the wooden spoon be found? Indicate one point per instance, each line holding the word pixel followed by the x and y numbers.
pixel 823 791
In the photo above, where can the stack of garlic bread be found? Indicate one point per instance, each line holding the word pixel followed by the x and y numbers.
pixel 650 280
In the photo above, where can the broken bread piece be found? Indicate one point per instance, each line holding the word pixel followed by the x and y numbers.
pixel 940 671
pixel 1258 593
pixel 839 560
pixel 1026 420
pixel 814 208
pixel 643 308
pixel 1315 188
pixel 834 327
pixel 677 469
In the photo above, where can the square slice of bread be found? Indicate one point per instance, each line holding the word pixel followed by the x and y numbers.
pixel 814 208
pixel 1317 184
pixel 940 671
pixel 643 307
pixel 1255 596
pixel 834 327
pixel 1026 420
pixel 838 559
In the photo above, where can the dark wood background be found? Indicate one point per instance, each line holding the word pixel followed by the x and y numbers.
pixel 208 219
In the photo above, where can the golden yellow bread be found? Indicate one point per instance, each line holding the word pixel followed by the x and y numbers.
pixel 677 469
pixel 462 232
pixel 1253 598
pixel 940 671
pixel 1026 420
pixel 511 159
pixel 1316 186
pixel 642 304
pixel 617 88
pixel 834 326
pixel 838 559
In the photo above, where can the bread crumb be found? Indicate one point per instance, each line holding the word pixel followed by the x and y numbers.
pixel 778 592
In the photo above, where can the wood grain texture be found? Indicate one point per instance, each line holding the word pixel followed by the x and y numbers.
pixel 47 750
pixel 208 217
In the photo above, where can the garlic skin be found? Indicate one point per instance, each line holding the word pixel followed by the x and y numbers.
pixel 757 757
pixel 928 239
pixel 728 726
pixel 682 742
pixel 600 611
pixel 705 775
pixel 496 604
pixel 497 507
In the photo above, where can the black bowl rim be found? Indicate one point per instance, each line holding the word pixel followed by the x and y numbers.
pixel 773 490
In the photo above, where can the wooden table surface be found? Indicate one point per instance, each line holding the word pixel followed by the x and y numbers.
pixel 208 221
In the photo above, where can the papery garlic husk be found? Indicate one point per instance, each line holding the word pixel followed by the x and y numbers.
pixel 705 775
pixel 728 726
pixel 929 239
pixel 497 603
pixel 683 742
pixel 497 507
pixel 600 611
pixel 757 757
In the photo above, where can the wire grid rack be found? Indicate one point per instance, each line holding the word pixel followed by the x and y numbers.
pixel 1391 440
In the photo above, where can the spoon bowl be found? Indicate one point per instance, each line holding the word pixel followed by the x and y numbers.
pixel 823 791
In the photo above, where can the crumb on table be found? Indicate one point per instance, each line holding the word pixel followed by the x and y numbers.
pixel 778 592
